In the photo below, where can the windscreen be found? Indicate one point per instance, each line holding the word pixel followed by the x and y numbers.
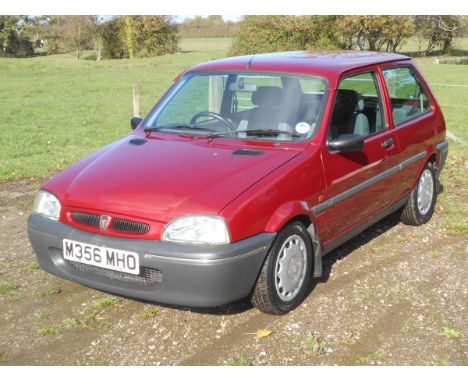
pixel 243 105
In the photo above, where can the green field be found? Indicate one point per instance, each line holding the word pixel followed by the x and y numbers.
pixel 56 109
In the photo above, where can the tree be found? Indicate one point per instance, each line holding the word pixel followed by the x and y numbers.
pixel 96 31
pixel 36 26
pixel 380 32
pixel 440 31
pixel 261 34
pixel 129 34
pixel 69 34
pixel 396 30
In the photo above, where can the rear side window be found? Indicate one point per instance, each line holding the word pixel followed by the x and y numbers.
pixel 407 96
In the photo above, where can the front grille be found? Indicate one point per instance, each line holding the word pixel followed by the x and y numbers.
pixel 89 219
pixel 118 224
pixel 147 276
pixel 130 226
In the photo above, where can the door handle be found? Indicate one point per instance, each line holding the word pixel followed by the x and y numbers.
pixel 388 143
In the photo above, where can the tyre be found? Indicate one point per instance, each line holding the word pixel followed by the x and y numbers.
pixel 286 273
pixel 422 200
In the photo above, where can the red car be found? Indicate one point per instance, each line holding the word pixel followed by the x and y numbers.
pixel 244 174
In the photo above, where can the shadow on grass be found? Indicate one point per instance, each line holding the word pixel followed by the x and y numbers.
pixel 40 54
pixel 455 52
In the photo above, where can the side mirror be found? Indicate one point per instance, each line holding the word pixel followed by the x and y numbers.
pixel 347 143
pixel 134 122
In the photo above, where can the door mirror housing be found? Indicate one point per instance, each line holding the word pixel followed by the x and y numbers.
pixel 134 122
pixel 347 143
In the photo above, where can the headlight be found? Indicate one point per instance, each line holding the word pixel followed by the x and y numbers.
pixel 197 229
pixel 47 205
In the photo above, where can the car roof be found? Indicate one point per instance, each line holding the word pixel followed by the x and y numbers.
pixel 328 64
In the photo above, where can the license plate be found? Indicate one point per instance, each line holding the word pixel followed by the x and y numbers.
pixel 104 257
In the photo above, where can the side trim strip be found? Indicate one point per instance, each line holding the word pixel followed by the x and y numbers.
pixel 357 230
pixel 369 182
pixel 442 146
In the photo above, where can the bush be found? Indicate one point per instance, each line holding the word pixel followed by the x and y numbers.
pixel 139 36
pixel 17 46
pixel 154 35
pixel 263 34
pixel 113 39
pixel 14 43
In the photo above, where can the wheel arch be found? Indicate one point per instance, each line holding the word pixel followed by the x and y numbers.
pixel 431 157
pixel 298 211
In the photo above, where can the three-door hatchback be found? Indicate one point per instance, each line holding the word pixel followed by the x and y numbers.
pixel 244 174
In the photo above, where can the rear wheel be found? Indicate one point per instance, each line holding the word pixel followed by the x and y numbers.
pixel 422 200
pixel 286 273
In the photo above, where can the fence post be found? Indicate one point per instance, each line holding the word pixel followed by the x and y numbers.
pixel 136 100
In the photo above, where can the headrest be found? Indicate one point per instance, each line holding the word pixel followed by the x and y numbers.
pixel 349 100
pixel 360 105
pixel 348 96
pixel 271 96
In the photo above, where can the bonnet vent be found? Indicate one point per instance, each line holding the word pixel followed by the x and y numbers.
pixel 137 141
pixel 248 152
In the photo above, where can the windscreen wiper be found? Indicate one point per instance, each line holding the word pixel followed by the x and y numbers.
pixel 177 126
pixel 258 132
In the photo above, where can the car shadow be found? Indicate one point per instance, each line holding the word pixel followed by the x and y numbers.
pixel 236 307
pixel 328 262
pixel 350 246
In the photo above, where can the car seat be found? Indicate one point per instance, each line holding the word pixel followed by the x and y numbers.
pixel 268 112
pixel 348 116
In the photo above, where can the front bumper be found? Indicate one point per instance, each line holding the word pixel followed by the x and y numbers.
pixel 195 276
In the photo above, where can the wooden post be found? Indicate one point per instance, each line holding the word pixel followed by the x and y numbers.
pixel 136 100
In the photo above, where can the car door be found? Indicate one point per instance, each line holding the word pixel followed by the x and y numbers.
pixel 413 118
pixel 358 184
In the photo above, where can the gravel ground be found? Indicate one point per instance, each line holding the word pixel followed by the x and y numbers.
pixel 395 295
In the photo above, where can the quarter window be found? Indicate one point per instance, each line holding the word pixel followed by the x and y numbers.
pixel 358 108
pixel 407 96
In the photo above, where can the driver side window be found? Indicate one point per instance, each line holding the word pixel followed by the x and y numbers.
pixel 358 107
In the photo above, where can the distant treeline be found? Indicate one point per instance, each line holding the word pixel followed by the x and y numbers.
pixel 146 36
pixel 117 37
pixel 260 34
pixel 211 26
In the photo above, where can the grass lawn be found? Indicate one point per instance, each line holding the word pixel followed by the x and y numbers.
pixel 56 109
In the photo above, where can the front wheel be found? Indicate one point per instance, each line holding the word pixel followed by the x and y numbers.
pixel 286 273
pixel 422 200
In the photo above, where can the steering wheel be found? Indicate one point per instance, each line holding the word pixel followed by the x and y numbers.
pixel 230 126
